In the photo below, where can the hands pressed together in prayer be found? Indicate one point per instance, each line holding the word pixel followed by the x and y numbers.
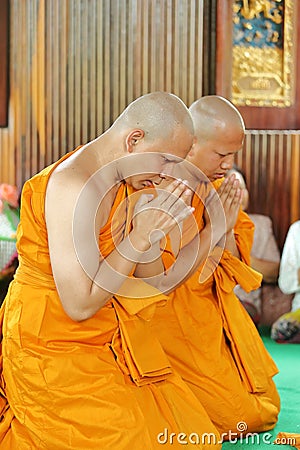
pixel 156 216
pixel 231 194
pixel 223 206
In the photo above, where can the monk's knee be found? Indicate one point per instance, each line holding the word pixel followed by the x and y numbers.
pixel 258 414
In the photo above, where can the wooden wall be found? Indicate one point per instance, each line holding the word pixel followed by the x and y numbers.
pixel 270 161
pixel 76 64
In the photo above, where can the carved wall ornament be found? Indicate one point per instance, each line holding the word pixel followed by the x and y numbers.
pixel 263 65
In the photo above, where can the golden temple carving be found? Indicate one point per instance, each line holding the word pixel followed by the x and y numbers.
pixel 263 58
pixel 253 8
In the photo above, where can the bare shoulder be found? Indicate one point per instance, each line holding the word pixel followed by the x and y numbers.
pixel 72 187
pixel 68 170
pixel 63 188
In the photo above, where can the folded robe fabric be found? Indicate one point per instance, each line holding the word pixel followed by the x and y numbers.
pixel 146 363
pixel 255 364
pixel 288 438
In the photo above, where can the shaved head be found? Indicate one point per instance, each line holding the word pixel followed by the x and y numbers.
pixel 159 114
pixel 219 130
pixel 213 115
pixel 158 123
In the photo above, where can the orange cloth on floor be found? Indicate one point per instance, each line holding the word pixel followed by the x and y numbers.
pixel 88 385
pixel 288 438
pixel 212 342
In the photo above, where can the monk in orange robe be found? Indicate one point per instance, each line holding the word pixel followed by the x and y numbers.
pixel 208 336
pixel 80 366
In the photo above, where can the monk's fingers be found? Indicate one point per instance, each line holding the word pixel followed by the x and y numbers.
pixel 231 188
pixel 169 220
pixel 168 186
pixel 222 187
pixel 165 183
pixel 231 208
pixel 175 216
pixel 231 194
pixel 228 187
pixel 236 198
pixel 143 202
pixel 184 213
pixel 168 197
pixel 161 211
pixel 177 206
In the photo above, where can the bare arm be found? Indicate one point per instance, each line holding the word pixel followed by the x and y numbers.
pixel 84 281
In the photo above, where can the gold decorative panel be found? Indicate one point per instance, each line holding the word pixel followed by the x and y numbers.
pixel 263 66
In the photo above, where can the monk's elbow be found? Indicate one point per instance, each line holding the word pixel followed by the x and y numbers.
pixel 78 315
pixel 83 307
pixel 79 312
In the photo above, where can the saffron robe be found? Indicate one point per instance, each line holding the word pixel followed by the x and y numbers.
pixel 103 383
pixel 212 342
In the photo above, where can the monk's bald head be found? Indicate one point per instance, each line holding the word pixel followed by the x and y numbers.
pixel 219 131
pixel 157 126
pixel 159 114
pixel 214 115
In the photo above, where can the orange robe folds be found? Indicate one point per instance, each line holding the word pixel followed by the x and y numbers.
pixel 288 438
pixel 213 344
pixel 104 383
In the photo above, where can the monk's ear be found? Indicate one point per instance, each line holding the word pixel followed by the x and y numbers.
pixel 192 151
pixel 133 138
